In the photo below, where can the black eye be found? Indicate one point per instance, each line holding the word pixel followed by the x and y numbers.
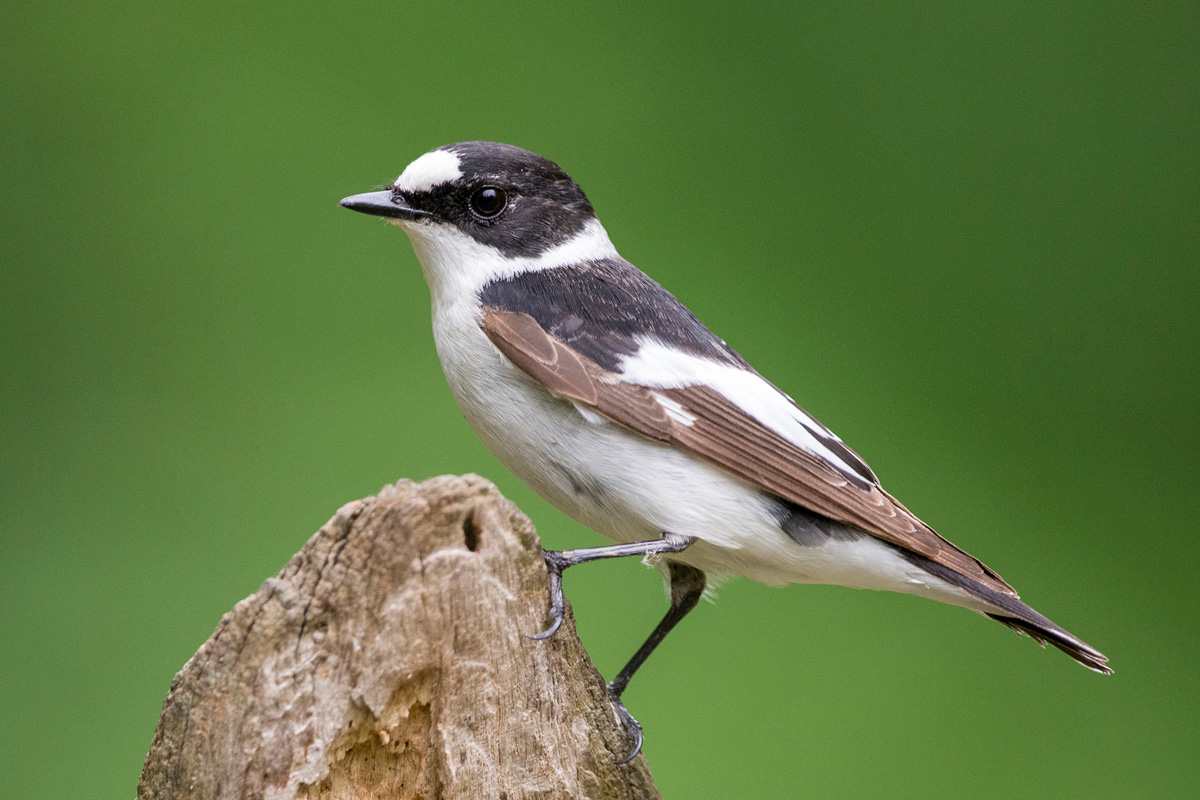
pixel 488 202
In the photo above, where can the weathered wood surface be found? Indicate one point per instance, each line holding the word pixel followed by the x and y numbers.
pixel 389 660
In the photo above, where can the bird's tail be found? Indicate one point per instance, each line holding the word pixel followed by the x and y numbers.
pixel 1017 615
pixel 1044 632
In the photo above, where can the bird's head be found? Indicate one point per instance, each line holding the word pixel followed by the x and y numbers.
pixel 484 208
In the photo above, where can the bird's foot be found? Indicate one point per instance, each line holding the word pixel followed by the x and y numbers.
pixel 633 728
pixel 555 564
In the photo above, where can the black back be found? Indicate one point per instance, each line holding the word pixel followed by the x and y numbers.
pixel 600 308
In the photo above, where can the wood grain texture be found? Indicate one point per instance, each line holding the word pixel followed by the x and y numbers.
pixel 388 660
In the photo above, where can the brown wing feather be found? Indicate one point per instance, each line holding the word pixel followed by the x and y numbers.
pixel 726 437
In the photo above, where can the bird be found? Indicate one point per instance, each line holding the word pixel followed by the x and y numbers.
pixel 610 399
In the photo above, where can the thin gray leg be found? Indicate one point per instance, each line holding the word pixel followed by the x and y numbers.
pixel 558 560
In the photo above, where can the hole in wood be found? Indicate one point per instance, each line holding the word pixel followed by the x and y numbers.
pixel 470 531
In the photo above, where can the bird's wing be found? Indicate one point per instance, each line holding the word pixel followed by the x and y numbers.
pixel 708 424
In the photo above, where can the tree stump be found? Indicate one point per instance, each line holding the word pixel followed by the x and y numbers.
pixel 389 660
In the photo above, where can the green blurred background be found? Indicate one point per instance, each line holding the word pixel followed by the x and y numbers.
pixel 964 235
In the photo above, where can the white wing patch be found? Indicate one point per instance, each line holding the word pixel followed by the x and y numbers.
pixel 659 366
pixel 430 170
pixel 674 410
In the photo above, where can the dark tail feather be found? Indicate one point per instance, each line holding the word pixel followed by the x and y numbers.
pixel 1018 616
pixel 1079 650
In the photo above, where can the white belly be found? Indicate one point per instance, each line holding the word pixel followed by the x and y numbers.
pixel 629 488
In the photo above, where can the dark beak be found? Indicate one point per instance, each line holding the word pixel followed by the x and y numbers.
pixel 382 204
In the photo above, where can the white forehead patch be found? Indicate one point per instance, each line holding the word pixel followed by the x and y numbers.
pixel 428 171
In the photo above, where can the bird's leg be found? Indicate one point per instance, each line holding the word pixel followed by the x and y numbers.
pixel 558 560
pixel 687 586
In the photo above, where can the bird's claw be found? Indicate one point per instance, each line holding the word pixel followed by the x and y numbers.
pixel 554 565
pixel 633 728
pixel 555 624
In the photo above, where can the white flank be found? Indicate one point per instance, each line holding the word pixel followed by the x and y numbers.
pixel 660 366
pixel 430 170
